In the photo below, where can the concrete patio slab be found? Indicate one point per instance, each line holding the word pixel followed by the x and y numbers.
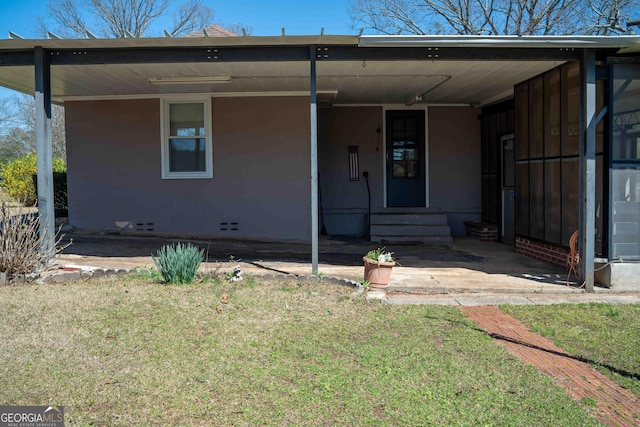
pixel 468 272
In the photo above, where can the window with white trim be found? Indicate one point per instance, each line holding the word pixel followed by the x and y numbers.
pixel 186 139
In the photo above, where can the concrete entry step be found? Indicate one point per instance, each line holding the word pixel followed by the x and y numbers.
pixel 388 240
pixel 408 219
pixel 416 225
pixel 410 230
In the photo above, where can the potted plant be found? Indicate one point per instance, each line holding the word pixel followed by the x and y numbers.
pixel 377 267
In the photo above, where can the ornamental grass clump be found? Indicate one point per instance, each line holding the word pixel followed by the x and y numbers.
pixel 178 264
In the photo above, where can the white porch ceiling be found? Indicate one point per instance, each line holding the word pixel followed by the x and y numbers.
pixel 352 82
pixel 356 82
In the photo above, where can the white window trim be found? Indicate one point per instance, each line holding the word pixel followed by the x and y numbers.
pixel 164 137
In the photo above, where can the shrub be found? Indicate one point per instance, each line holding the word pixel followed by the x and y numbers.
pixel 20 242
pixel 17 177
pixel 178 263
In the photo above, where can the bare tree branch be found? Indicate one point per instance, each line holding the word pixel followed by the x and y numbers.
pixel 23 125
pixel 68 15
pixel 191 16
pixel 123 18
pixel 518 17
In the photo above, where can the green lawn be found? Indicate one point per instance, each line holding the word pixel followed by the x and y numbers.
pixel 125 352
pixel 605 335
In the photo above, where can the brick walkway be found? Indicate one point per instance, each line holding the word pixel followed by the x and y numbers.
pixel 616 405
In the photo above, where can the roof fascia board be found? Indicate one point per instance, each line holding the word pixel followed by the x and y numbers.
pixel 387 48
pixel 179 55
pixel 579 42
pixel 16 57
pixel 433 53
pixel 301 53
pixel 175 42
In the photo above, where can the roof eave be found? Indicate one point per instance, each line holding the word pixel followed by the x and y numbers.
pixel 568 42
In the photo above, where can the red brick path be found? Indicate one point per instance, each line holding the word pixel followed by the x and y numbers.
pixel 616 405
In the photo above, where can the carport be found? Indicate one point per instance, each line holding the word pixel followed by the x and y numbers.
pixel 472 71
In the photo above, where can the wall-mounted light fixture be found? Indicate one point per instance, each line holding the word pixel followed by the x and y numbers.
pixel 188 80
pixel 354 166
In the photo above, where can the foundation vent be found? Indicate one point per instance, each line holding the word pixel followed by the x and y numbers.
pixel 145 226
pixel 228 226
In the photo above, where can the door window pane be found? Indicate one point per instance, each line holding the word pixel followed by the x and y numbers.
pixel 405 151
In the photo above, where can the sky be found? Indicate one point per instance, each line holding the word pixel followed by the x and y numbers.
pixel 265 17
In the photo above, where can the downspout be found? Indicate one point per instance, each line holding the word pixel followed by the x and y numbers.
pixel 366 178
pixel 44 152
pixel 314 162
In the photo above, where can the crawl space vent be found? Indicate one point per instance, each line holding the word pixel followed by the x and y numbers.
pixel 228 226
pixel 145 226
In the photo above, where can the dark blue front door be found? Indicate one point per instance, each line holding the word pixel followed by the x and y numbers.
pixel 405 158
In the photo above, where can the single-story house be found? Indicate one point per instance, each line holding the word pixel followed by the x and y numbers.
pixel 519 139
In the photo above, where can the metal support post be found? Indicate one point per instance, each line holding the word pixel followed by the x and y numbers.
pixel 314 164
pixel 44 151
pixel 588 170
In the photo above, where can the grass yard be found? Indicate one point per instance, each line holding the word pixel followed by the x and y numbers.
pixel 606 336
pixel 128 352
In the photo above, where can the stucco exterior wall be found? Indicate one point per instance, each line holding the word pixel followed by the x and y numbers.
pixel 454 164
pixel 345 202
pixel 260 170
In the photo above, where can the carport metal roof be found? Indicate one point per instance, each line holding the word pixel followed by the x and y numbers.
pixel 471 70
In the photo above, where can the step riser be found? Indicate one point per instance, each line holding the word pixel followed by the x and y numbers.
pixel 410 226
pixel 423 239
pixel 386 219
pixel 410 230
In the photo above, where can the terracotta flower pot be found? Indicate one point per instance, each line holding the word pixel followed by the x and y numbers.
pixel 377 273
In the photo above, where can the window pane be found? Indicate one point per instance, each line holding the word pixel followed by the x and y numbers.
pixel 521 94
pixel 626 113
pixel 600 103
pixel 522 198
pixel 570 108
pixel 187 155
pixel 493 198
pixel 486 211
pixel 625 196
pixel 536 123
pixel 600 207
pixel 536 201
pixel 552 113
pixel 570 197
pixel 186 119
pixel 493 143
pixel 485 144
pixel 552 202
